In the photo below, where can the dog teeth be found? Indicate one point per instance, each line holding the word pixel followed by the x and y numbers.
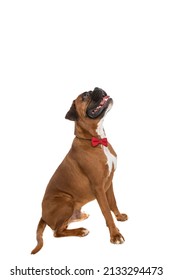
pixel 104 100
pixel 96 109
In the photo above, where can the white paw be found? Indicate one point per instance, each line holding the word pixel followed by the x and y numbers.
pixel 85 232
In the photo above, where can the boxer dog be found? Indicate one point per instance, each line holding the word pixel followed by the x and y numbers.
pixel 85 174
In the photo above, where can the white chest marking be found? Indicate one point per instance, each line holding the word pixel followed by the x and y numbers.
pixel 111 159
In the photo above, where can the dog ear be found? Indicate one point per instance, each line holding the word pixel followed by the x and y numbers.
pixel 72 114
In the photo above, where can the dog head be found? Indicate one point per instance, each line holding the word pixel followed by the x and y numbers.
pixel 91 105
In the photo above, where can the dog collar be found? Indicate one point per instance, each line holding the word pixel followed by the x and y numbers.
pixel 96 141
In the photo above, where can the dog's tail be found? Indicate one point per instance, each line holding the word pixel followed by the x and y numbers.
pixel 40 229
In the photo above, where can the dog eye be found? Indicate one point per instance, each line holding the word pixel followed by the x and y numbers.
pixel 85 95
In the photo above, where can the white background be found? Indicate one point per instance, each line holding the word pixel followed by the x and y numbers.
pixel 50 52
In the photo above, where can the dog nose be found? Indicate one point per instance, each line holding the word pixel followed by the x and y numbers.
pixel 104 93
pixel 98 93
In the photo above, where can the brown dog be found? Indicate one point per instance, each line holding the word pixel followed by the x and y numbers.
pixel 85 173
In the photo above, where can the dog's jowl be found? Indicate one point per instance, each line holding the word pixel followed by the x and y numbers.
pixel 85 174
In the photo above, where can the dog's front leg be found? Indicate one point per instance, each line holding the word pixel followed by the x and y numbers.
pixel 113 205
pixel 115 235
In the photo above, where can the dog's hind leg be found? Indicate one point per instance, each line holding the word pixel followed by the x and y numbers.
pixel 63 232
pixel 57 214
pixel 78 216
pixel 57 210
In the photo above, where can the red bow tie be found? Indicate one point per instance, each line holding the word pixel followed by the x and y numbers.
pixel 95 141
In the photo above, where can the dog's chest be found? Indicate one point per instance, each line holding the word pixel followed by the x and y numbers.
pixel 111 159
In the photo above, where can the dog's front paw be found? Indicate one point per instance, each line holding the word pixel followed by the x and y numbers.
pixel 117 238
pixel 121 217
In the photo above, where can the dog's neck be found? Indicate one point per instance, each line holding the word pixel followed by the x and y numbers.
pixel 87 132
pixel 100 130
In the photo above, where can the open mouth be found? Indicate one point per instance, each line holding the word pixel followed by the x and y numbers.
pixel 97 109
